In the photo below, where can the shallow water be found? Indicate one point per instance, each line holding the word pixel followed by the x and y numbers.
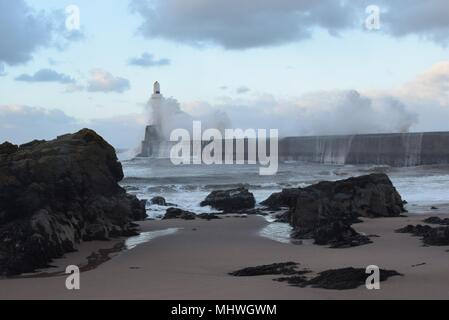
pixel 187 185
pixel 144 237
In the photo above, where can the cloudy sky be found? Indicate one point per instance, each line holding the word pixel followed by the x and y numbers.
pixel 303 66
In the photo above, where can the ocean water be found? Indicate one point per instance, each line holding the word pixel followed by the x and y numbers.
pixel 187 185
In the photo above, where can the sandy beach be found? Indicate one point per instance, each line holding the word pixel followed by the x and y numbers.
pixel 194 263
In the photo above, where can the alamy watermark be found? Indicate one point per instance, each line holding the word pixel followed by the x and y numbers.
pixel 73 281
pixel 372 22
pixel 235 146
pixel 373 280
pixel 73 18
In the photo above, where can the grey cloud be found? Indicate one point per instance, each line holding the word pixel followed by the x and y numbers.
pixel 23 30
pixel 427 19
pixel 243 24
pixel 46 75
pixel 243 89
pixel 237 24
pixel 148 60
pixel 2 70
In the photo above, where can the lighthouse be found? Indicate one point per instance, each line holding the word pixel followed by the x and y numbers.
pixel 156 88
pixel 155 131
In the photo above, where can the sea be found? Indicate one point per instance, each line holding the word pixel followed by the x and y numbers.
pixel 187 185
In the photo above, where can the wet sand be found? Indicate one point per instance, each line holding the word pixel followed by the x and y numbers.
pixel 194 263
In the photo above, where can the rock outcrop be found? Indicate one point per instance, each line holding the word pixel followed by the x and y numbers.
pixel 343 279
pixel 430 236
pixel 159 201
pixel 326 211
pixel 338 279
pixel 230 201
pixel 176 213
pixel 285 268
pixel 56 194
pixel 437 220
pixel 286 198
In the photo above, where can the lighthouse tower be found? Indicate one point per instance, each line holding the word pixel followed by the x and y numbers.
pixel 156 109
pixel 155 131
pixel 156 89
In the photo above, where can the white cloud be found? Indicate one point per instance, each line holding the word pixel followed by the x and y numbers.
pixel 20 124
pixel 431 86
pixel 319 113
pixel 419 105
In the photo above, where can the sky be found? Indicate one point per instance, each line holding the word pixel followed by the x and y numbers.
pixel 304 67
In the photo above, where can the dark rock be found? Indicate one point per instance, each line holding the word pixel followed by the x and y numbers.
pixel 326 211
pixel 434 208
pixel 32 144
pixel 286 198
pixel 295 281
pixel 437 237
pixel 345 279
pixel 230 201
pixel 437 220
pixel 159 201
pixel 283 217
pixel 337 234
pixel 176 213
pixel 287 268
pixel 430 236
pixel 419 265
pixel 339 279
pixel 418 231
pixel 7 148
pixel 252 212
pixel 55 194
pixel 208 216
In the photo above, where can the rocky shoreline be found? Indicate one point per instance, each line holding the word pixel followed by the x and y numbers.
pixel 56 194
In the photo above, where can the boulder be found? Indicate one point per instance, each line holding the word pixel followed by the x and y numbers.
pixel 325 211
pixel 285 268
pixel 430 236
pixel 159 201
pixel 176 213
pixel 56 194
pixel 230 201
pixel 336 234
pixel 283 217
pixel 208 216
pixel 437 220
pixel 344 279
